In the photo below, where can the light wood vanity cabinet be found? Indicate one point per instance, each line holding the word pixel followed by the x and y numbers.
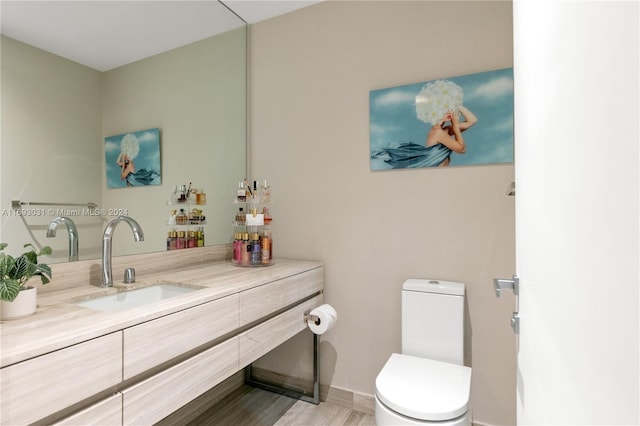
pixel 39 387
pixel 268 335
pixel 155 398
pixel 178 333
pixel 156 367
pixel 107 412
pixel 264 300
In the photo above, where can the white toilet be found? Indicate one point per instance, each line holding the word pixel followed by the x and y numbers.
pixel 427 383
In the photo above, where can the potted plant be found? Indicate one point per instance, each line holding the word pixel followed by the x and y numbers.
pixel 16 298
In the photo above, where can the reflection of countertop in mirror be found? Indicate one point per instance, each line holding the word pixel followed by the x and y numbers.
pixel 58 323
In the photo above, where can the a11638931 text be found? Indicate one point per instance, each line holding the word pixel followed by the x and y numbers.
pixel 53 212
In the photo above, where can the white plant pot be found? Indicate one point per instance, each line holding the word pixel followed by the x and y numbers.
pixel 22 306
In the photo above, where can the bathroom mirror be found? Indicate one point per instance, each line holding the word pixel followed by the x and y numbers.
pixel 57 112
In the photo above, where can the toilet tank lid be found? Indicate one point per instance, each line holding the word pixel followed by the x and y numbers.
pixel 434 286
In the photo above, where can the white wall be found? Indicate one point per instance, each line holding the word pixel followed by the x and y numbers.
pixel 310 76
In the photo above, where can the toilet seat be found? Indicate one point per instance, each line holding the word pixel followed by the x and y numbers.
pixel 424 389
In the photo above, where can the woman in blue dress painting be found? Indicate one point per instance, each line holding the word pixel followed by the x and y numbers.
pixel 129 149
pixel 443 138
pixel 438 103
pixel 129 174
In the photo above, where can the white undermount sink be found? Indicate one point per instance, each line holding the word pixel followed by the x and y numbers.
pixel 134 298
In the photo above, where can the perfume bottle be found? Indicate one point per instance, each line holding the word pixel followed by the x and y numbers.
pixel 267 215
pixel 240 217
pixel 181 241
pixel 181 218
pixel 256 257
pixel 172 218
pixel 237 247
pixel 201 197
pixel 241 194
pixel 267 234
pixel 266 192
pixel 192 241
pixel 182 194
pixel 246 249
pixel 266 249
pixel 172 240
pixel 200 235
pixel 255 193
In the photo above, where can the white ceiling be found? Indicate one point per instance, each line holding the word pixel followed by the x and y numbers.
pixel 107 34
pixel 253 11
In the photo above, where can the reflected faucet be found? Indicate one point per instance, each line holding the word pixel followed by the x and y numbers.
pixel 138 235
pixel 73 234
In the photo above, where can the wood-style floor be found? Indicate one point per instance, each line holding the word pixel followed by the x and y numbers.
pixel 248 406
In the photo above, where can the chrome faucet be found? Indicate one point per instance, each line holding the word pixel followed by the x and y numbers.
pixel 138 235
pixel 73 234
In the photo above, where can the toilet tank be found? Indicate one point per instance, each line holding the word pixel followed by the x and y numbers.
pixel 433 320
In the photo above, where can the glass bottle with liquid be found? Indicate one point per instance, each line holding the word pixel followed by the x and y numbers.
pixel 246 249
pixel 256 257
pixel 192 240
pixel 182 218
pixel 267 215
pixel 237 247
pixel 181 241
pixel 172 240
pixel 240 217
pixel 266 192
pixel 266 248
pixel 241 195
pixel 201 197
pixel 200 236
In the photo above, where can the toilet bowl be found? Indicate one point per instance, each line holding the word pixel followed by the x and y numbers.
pixel 418 391
pixel 427 383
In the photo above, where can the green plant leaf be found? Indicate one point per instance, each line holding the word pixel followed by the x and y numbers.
pixel 7 263
pixel 14 273
pixel 45 273
pixel 31 256
pixel 45 251
pixel 24 269
pixel 9 289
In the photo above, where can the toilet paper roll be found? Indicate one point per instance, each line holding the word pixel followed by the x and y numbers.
pixel 326 318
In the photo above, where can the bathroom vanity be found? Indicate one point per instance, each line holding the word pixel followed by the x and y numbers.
pixel 69 364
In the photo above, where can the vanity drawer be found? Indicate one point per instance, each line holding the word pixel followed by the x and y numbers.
pixel 107 412
pixel 41 386
pixel 264 337
pixel 155 398
pixel 152 343
pixel 261 301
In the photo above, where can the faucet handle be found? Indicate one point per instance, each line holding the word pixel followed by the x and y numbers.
pixel 129 276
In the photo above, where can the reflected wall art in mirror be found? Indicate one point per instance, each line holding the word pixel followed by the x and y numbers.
pixel 57 112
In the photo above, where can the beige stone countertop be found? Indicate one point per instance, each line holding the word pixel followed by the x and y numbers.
pixel 59 323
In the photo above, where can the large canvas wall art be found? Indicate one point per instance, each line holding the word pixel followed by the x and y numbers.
pixel 133 159
pixel 466 120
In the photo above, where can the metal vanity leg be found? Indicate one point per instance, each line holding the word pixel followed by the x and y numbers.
pixel 304 396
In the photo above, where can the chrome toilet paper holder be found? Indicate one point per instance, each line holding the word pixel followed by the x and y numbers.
pixel 309 317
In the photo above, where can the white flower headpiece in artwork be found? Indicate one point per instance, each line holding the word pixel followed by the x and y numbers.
pixel 436 98
pixel 130 146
